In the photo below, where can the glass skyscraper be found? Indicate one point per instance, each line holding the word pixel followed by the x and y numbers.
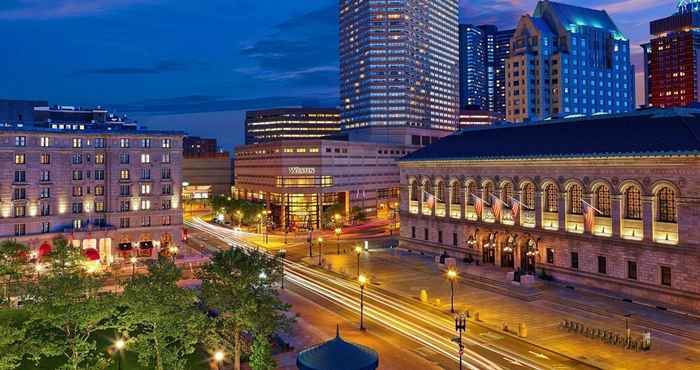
pixel 568 60
pixel 399 63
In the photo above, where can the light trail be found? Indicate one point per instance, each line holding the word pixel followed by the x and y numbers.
pixel 426 328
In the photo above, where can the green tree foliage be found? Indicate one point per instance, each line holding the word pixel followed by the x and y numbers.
pixel 329 220
pixel 65 258
pixel 13 260
pixel 261 355
pixel 249 210
pixel 161 319
pixel 241 287
pixel 64 314
pixel 358 215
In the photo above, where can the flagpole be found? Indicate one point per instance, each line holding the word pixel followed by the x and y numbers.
pixel 594 208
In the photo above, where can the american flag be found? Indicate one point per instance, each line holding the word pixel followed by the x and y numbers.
pixel 429 198
pixel 478 205
pixel 588 215
pixel 515 209
pixel 496 206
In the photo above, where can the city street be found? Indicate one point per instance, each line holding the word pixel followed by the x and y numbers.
pixel 426 327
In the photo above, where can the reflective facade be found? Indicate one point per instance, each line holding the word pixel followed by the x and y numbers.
pixel 268 125
pixel 399 63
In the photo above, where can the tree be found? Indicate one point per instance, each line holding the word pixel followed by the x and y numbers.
pixel 261 355
pixel 13 260
pixel 358 215
pixel 161 318
pixel 65 258
pixel 241 287
pixel 64 315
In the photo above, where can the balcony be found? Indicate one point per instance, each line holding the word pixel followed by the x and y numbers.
pixel 528 219
pixel 550 220
pixel 470 214
pixel 602 226
pixel 507 217
pixel 456 211
pixel 575 224
pixel 666 232
pixel 632 229
pixel 413 207
pixel 440 209
pixel 487 215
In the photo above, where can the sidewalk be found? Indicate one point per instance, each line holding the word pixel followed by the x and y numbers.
pixel 481 289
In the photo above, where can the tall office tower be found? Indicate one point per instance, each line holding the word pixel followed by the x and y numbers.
pixel 673 60
pixel 399 64
pixel 472 68
pixel 646 50
pixel 567 60
pixel 265 125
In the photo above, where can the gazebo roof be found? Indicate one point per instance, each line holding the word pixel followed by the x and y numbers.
pixel 337 354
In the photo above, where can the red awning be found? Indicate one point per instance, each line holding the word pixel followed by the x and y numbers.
pixel 92 254
pixel 44 249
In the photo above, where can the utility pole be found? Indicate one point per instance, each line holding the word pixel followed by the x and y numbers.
pixel 460 326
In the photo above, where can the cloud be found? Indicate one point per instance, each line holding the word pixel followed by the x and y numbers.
pixel 502 13
pixel 206 103
pixel 162 66
pixel 629 6
pixel 51 9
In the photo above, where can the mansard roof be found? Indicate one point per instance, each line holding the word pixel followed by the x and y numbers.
pixel 654 132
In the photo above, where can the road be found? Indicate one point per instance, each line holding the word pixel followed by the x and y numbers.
pixel 426 327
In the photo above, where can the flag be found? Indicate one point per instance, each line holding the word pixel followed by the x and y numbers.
pixel 430 199
pixel 515 209
pixel 496 206
pixel 478 205
pixel 588 215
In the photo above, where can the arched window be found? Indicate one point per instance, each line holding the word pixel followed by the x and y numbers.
pixel 471 192
pixel 551 199
pixel 575 199
pixel 488 191
pixel 455 192
pixel 529 195
pixel 507 193
pixel 666 200
pixel 633 203
pixel 602 200
pixel 427 189
pixel 440 192
pixel 415 191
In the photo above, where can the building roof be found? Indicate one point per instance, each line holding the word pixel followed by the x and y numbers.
pixel 88 129
pixel 338 354
pixel 576 15
pixel 654 132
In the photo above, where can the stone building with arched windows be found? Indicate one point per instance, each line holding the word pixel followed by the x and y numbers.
pixel 611 202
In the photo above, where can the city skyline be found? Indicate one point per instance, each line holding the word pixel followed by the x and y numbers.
pixel 195 70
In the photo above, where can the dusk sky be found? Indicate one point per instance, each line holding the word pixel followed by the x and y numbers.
pixel 196 65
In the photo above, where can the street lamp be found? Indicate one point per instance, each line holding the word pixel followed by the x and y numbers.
pixel 119 346
pixel 337 238
pixel 452 275
pixel 240 217
pixel 358 251
pixel 38 267
pixel 320 250
pixel 219 358
pixel 282 253
pixel 362 280
pixel 394 215
pixel 133 266
pixel 173 251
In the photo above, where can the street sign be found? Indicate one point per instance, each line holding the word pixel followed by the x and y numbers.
pixel 461 352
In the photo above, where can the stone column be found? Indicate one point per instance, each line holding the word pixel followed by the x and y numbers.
pixel 616 214
pixel 538 209
pixel 561 211
pixel 648 217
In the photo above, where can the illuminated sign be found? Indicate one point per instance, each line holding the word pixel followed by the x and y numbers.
pixel 302 171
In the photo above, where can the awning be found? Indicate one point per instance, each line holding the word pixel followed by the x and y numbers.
pixel 92 254
pixel 125 247
pixel 339 355
pixel 44 249
pixel 146 245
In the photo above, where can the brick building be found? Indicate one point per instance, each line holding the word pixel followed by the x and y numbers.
pixel 116 191
pixel 610 202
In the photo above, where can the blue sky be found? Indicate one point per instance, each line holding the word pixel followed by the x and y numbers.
pixel 197 65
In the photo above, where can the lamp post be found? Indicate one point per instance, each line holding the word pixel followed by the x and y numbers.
pixel 358 251
pixel 219 358
pixel 38 267
pixel 320 250
pixel 173 252
pixel 240 217
pixel 362 280
pixel 118 346
pixel 133 266
pixel 337 238
pixel 460 326
pixel 394 215
pixel 452 275
pixel 282 253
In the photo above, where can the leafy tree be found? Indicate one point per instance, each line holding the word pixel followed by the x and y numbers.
pixel 65 258
pixel 329 213
pixel 13 260
pixel 358 215
pixel 161 318
pixel 261 356
pixel 241 287
pixel 64 315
